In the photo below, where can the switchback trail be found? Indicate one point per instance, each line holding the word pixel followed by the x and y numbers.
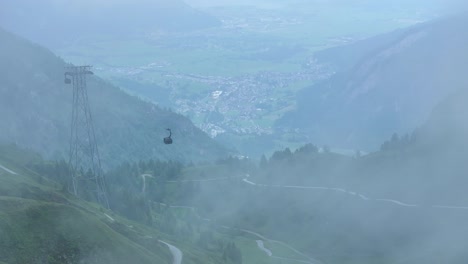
pixel 260 243
pixel 143 176
pixel 262 247
pixel 8 170
pixel 205 180
pixel 176 253
pixel 355 194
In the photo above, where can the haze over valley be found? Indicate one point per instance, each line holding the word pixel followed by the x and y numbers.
pixel 234 69
pixel 255 132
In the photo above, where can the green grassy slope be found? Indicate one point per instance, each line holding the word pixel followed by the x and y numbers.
pixel 40 223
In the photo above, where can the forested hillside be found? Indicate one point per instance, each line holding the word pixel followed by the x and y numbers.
pixel 35 106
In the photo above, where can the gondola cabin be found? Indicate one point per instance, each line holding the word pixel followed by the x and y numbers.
pixel 168 140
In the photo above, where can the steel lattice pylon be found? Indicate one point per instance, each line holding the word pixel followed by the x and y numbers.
pixel 86 174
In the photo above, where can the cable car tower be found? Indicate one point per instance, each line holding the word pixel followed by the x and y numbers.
pixel 85 164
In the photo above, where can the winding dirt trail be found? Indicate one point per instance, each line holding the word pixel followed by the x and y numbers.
pixel 8 170
pixel 144 176
pixel 176 253
pixel 355 194
pixel 262 247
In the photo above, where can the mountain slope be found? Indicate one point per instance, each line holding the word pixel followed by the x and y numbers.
pixel 395 81
pixel 36 111
pixel 42 223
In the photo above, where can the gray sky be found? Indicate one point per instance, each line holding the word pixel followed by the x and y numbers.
pixel 453 5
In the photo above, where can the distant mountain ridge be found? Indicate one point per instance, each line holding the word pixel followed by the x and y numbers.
pixel 389 84
pixel 35 107
pixel 50 22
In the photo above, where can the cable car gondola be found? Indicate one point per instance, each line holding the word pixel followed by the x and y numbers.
pixel 168 140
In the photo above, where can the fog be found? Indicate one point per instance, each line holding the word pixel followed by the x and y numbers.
pixel 255 132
